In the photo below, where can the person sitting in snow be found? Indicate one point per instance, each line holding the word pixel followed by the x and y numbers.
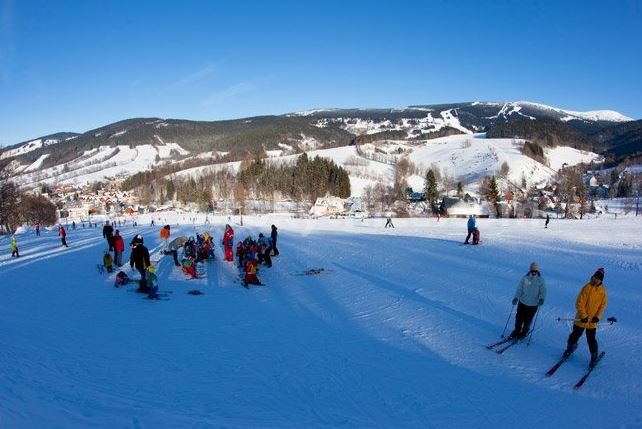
pixel 188 266
pixel 107 261
pixel 250 271
pixel 121 279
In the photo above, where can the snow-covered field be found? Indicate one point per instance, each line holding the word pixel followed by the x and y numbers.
pixel 392 334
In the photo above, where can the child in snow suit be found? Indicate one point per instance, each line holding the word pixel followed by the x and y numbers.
pixel 107 261
pixel 152 283
pixel 590 305
pixel 530 294
pixel 14 247
pixel 476 236
pixel 240 253
pixel 250 271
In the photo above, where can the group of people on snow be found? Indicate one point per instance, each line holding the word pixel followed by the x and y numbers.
pixel 590 305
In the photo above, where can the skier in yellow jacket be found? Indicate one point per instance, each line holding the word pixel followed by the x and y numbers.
pixel 590 306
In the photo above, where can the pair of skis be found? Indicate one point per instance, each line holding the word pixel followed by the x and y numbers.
pixel 586 375
pixel 504 344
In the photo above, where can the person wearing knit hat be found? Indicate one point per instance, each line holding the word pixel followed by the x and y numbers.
pixel 530 294
pixel 590 306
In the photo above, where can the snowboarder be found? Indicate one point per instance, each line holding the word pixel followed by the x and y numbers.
pixel 590 305
pixel 119 248
pixel 14 247
pixel 389 222
pixel 108 234
pixel 471 227
pixel 63 234
pixel 228 242
pixel 140 259
pixel 530 294
pixel 107 261
pixel 273 237
pixel 548 219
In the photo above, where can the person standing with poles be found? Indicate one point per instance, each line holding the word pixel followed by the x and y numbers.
pixel 590 306
pixel 529 296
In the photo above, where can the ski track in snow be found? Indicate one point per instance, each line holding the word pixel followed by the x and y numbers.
pixel 390 335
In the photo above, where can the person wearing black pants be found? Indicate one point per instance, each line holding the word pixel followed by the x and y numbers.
pixel 273 236
pixel 530 294
pixel 590 305
pixel 140 259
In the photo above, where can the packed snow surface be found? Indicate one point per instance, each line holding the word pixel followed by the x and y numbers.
pixel 390 335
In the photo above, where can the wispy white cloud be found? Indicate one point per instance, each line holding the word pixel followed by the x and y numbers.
pixel 229 92
pixel 198 75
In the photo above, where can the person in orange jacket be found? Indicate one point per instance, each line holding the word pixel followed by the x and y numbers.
pixel 590 305
pixel 164 236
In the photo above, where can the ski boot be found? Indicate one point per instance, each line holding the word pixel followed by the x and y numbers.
pixel 569 350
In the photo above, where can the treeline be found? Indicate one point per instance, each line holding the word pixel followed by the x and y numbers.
pixel 17 208
pixel 546 133
pixel 305 180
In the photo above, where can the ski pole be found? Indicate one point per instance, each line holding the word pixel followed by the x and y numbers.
pixel 507 320
pixel 611 320
pixel 530 336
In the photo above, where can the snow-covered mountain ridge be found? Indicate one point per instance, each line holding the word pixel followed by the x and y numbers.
pixel 126 147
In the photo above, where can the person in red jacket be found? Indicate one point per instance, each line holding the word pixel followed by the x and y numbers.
pixel 63 234
pixel 119 248
pixel 228 242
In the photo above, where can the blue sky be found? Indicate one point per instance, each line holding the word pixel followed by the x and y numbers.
pixel 78 65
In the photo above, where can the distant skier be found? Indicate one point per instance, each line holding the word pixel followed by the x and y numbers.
pixel 14 247
pixel 590 305
pixel 389 222
pixel 471 227
pixel 37 226
pixel 139 258
pixel 530 294
pixel 273 237
pixel 63 235
pixel 548 219
pixel 108 234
